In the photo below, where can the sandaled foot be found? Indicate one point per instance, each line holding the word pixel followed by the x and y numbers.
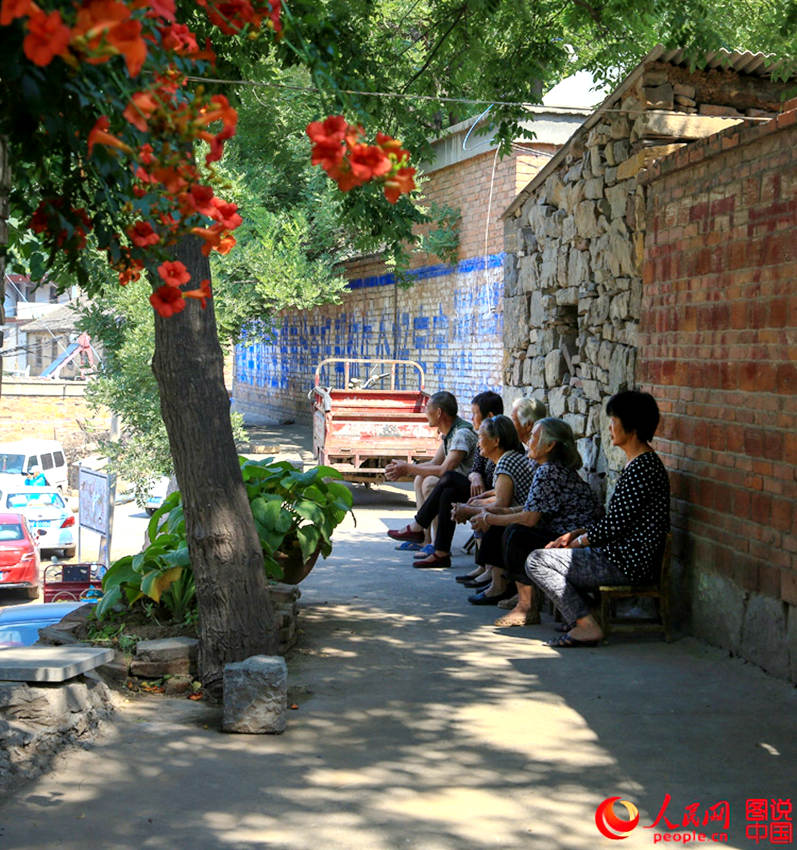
pixel 568 642
pixel 508 604
pixel 471 576
pixel 518 618
pixel 432 561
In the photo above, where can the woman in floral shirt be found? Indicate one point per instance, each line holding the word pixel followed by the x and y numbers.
pixel 558 498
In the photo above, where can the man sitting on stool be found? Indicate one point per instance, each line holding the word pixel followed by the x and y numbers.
pixel 451 465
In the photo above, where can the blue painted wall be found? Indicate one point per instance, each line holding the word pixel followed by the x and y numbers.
pixel 450 320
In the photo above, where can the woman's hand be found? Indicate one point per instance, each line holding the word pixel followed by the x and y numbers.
pixel 395 469
pixel 460 512
pixel 479 522
pixel 564 541
pixel 476 484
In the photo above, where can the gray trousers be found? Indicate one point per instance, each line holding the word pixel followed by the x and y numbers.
pixel 564 574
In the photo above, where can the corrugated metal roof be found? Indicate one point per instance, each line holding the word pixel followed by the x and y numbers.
pixel 756 64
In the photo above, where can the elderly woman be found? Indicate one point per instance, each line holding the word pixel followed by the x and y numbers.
pixel 498 441
pixel 558 498
pixel 627 545
pixel 525 412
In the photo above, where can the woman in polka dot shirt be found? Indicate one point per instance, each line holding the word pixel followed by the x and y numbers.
pixel 626 546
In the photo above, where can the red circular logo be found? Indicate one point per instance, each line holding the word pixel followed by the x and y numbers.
pixel 612 826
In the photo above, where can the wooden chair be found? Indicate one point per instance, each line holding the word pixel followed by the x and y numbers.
pixel 609 594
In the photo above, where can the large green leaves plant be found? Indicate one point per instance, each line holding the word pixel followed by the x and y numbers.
pixel 295 513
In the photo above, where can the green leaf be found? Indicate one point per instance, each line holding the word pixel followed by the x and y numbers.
pixel 154 583
pixel 309 537
pixel 110 598
pixel 179 558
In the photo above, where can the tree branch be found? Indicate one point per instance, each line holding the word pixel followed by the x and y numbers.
pixel 437 46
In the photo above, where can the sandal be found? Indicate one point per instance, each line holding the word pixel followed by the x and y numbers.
pixel 406 533
pixel 567 642
pixel 531 618
pixel 408 546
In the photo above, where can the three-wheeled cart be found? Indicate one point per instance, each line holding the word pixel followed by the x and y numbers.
pixel 359 428
pixel 71 582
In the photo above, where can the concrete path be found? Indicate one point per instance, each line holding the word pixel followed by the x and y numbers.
pixel 421 726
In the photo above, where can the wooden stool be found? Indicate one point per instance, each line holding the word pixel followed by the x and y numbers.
pixel 607 610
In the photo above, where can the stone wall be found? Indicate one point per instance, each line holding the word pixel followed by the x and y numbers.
pixel 716 348
pixel 449 319
pixel 574 242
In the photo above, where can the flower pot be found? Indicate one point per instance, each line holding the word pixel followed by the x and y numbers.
pixel 294 567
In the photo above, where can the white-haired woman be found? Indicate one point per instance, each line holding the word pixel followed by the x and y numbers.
pixel 525 412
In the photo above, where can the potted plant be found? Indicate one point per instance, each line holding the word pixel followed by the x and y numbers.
pixel 295 514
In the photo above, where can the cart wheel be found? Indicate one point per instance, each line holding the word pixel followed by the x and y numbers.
pixel 64 596
pixel 91 593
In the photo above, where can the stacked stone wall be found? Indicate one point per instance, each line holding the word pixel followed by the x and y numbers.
pixel 716 348
pixel 574 245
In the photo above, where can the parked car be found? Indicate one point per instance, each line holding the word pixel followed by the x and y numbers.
pixel 20 563
pixel 19 625
pixel 47 514
pixel 157 493
pixel 19 458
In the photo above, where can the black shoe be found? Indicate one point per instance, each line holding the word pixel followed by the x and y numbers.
pixel 467 577
pixel 481 599
pixel 477 583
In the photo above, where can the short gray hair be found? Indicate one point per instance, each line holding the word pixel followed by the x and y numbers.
pixel 528 410
pixel 559 432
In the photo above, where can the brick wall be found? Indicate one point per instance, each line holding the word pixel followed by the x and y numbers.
pixel 716 348
pixel 450 319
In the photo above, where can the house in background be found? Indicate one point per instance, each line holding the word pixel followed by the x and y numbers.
pixel 25 302
pixel 450 319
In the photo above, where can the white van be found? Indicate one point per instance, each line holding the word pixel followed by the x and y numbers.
pixel 19 458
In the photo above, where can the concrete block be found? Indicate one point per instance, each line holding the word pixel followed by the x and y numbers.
pixel 256 695
pixel 167 649
pixel 279 592
pixel 717 609
pixel 764 640
pixel 50 663
pixel 158 669
pixel 679 126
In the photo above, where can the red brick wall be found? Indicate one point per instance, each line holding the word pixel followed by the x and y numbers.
pixel 719 317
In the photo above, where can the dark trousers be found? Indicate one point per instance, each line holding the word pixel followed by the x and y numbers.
pixel 519 542
pixel 491 547
pixel 452 487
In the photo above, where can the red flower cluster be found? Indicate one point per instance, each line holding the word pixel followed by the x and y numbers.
pixel 338 148
pixel 70 226
pixel 233 15
pixel 169 298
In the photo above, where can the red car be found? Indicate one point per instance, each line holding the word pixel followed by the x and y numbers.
pixel 20 564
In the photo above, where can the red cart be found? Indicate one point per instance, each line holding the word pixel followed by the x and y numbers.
pixel 71 582
pixel 359 428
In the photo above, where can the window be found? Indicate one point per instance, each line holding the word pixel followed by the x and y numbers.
pixel 11 463
pixel 33 460
pixel 59 458
pixel 47 461
pixel 11 531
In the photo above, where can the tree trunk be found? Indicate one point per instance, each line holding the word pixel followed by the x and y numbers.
pixel 235 615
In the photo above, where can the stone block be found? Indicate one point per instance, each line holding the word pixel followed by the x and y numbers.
pixel 536 317
pixel 574 172
pixel 608 154
pixel 50 663
pixel 598 135
pixel 654 78
pixel 586 219
pixel 631 166
pixel 158 669
pixel 621 150
pixel 604 356
pixel 567 296
pixel 168 649
pixel 659 97
pixel 620 256
pixel 617 196
pixel 550 264
pixel 764 638
pixel 516 321
pixel 256 695
pixel 619 127
pixel 557 401
pixel 537 373
pixel 577 422
pixel 588 449
pixel 599 310
pixel 683 89
pixel 622 368
pixel 683 100
pixel 593 188
pixel 676 125
pixel 510 274
pixel 618 310
pixel 555 368
pixel 596 165
pixel 715 109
